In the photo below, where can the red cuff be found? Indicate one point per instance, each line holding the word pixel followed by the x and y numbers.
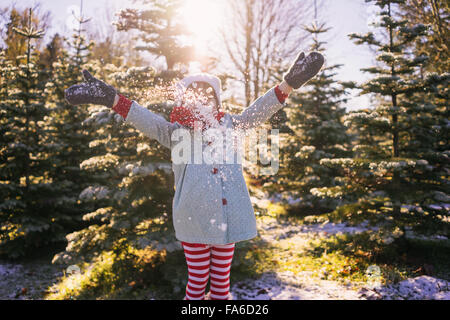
pixel 123 106
pixel 280 95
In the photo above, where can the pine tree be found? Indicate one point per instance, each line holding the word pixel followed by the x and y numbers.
pixel 15 44
pixel 6 74
pixel 27 216
pixel 132 182
pixel 400 172
pixel 51 53
pixel 158 30
pixel 315 116
pixel 435 15
pixel 133 189
pixel 67 136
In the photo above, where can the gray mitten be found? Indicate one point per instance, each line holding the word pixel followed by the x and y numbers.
pixel 304 69
pixel 93 91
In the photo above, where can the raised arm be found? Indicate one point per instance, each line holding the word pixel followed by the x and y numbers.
pixel 263 108
pixel 95 91
pixel 301 71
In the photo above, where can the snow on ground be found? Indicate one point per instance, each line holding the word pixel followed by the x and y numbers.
pixel 273 230
pixel 304 286
pixel 26 280
pixel 30 280
pixel 419 288
pixel 8 269
pixel 289 286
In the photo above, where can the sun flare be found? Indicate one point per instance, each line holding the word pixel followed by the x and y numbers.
pixel 203 18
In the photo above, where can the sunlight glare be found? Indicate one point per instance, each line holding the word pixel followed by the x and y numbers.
pixel 203 18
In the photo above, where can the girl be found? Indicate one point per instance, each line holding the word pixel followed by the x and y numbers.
pixel 211 206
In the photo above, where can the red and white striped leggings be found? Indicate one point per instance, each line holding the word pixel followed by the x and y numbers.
pixel 204 260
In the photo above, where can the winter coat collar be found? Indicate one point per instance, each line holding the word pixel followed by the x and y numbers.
pixel 185 116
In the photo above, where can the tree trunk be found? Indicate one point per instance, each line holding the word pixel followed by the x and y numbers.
pixel 248 51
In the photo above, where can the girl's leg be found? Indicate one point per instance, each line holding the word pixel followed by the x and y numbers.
pixel 198 260
pixel 221 257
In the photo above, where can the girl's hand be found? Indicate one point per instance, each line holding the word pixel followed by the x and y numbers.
pixel 303 69
pixel 93 91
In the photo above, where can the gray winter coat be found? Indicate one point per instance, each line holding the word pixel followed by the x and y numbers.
pixel 211 203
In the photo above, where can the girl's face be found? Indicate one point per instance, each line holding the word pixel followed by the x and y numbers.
pixel 202 95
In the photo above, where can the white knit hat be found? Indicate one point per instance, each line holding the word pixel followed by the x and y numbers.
pixel 213 81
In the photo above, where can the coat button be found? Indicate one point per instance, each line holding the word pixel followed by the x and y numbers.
pixel 224 201
pixel 215 170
